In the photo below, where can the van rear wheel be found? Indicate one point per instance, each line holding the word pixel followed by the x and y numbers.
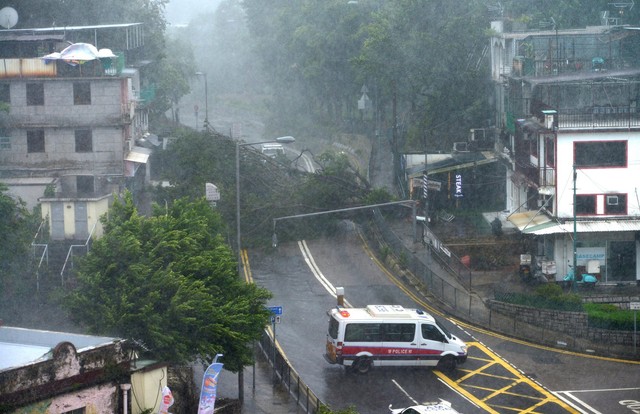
pixel 447 363
pixel 361 365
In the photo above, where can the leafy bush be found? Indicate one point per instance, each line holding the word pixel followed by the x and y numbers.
pixel 547 296
pixel 606 316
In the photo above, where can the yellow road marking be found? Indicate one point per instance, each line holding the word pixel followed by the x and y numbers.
pixel 246 268
pixel 539 396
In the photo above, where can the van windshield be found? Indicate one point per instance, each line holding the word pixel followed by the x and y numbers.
pixel 443 329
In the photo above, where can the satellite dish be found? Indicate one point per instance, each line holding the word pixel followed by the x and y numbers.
pixel 8 17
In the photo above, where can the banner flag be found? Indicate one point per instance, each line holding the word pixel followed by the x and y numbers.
pixel 167 401
pixel 209 389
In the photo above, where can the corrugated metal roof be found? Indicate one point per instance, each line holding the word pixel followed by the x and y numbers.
pixel 599 226
pixel 528 220
pixel 138 154
pixel 538 223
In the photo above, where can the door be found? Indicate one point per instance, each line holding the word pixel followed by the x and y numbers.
pixel 82 225
pixel 431 344
pixel 57 221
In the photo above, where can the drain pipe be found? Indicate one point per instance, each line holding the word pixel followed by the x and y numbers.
pixel 125 393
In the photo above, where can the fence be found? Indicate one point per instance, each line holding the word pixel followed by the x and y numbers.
pixel 287 376
pixel 441 276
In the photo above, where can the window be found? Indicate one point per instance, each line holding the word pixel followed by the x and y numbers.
pixel 585 204
pixel 615 204
pixel 399 332
pixel 431 333
pixel 81 93
pixel 5 95
pixel 84 140
pixel 550 150
pixel 362 332
pixel 76 411
pixel 35 94
pixel 600 154
pixel 35 140
pixel 84 184
pixel 334 325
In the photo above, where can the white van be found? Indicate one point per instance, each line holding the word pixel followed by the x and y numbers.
pixel 390 335
pixel 272 150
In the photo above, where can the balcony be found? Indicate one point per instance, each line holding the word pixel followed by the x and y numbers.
pixel 599 117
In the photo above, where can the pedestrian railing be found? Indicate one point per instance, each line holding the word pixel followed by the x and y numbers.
pixel 288 377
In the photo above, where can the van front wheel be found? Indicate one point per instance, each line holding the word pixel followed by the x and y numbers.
pixel 361 365
pixel 447 363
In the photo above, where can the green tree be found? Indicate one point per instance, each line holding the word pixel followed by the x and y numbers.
pixel 17 228
pixel 169 281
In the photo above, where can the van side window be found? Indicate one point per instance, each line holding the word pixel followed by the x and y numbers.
pixel 362 332
pixel 399 332
pixel 431 332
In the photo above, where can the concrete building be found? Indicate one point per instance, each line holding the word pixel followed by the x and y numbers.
pixel 70 123
pixel 59 372
pixel 569 128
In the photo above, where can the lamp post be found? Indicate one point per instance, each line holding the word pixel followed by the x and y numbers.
pixel 280 140
pixel 206 100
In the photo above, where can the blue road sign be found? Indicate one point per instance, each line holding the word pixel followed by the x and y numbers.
pixel 276 310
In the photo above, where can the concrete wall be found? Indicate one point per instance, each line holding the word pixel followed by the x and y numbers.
pixel 573 324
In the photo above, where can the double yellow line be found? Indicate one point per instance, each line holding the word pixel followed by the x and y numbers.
pixel 246 267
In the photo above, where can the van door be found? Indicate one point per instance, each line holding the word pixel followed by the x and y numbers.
pixel 431 344
pixel 399 344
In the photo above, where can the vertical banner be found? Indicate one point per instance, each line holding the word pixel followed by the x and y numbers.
pixel 209 389
pixel 167 401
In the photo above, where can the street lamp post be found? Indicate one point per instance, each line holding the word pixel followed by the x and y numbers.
pixel 280 140
pixel 206 100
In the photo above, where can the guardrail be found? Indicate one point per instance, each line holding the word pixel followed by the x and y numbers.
pixel 289 377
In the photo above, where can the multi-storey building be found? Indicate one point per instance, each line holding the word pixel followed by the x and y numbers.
pixel 69 127
pixel 567 109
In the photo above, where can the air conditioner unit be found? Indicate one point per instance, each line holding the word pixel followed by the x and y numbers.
pixel 612 200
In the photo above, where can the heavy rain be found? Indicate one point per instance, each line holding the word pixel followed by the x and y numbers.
pixel 336 206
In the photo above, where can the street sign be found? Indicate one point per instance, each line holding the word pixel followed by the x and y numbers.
pixel 634 305
pixel 276 310
pixel 211 192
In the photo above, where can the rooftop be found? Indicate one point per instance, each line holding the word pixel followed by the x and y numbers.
pixel 20 346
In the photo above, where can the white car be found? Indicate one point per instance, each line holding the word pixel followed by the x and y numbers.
pixel 443 407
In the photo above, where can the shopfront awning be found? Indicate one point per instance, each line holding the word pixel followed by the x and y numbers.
pixel 529 220
pixel 539 224
pixel 587 227
pixel 138 154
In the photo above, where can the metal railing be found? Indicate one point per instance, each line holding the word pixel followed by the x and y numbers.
pixel 44 256
pixel 68 261
pixel 599 117
pixel 287 376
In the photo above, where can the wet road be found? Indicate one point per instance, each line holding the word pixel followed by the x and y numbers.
pixel 302 277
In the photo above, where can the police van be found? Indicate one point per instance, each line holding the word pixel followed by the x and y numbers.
pixel 390 335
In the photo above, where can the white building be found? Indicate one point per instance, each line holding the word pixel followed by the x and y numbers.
pixel 570 129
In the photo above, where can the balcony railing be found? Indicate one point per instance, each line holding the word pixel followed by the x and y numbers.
pixel 599 117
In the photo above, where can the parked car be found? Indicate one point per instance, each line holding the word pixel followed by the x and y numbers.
pixel 443 407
